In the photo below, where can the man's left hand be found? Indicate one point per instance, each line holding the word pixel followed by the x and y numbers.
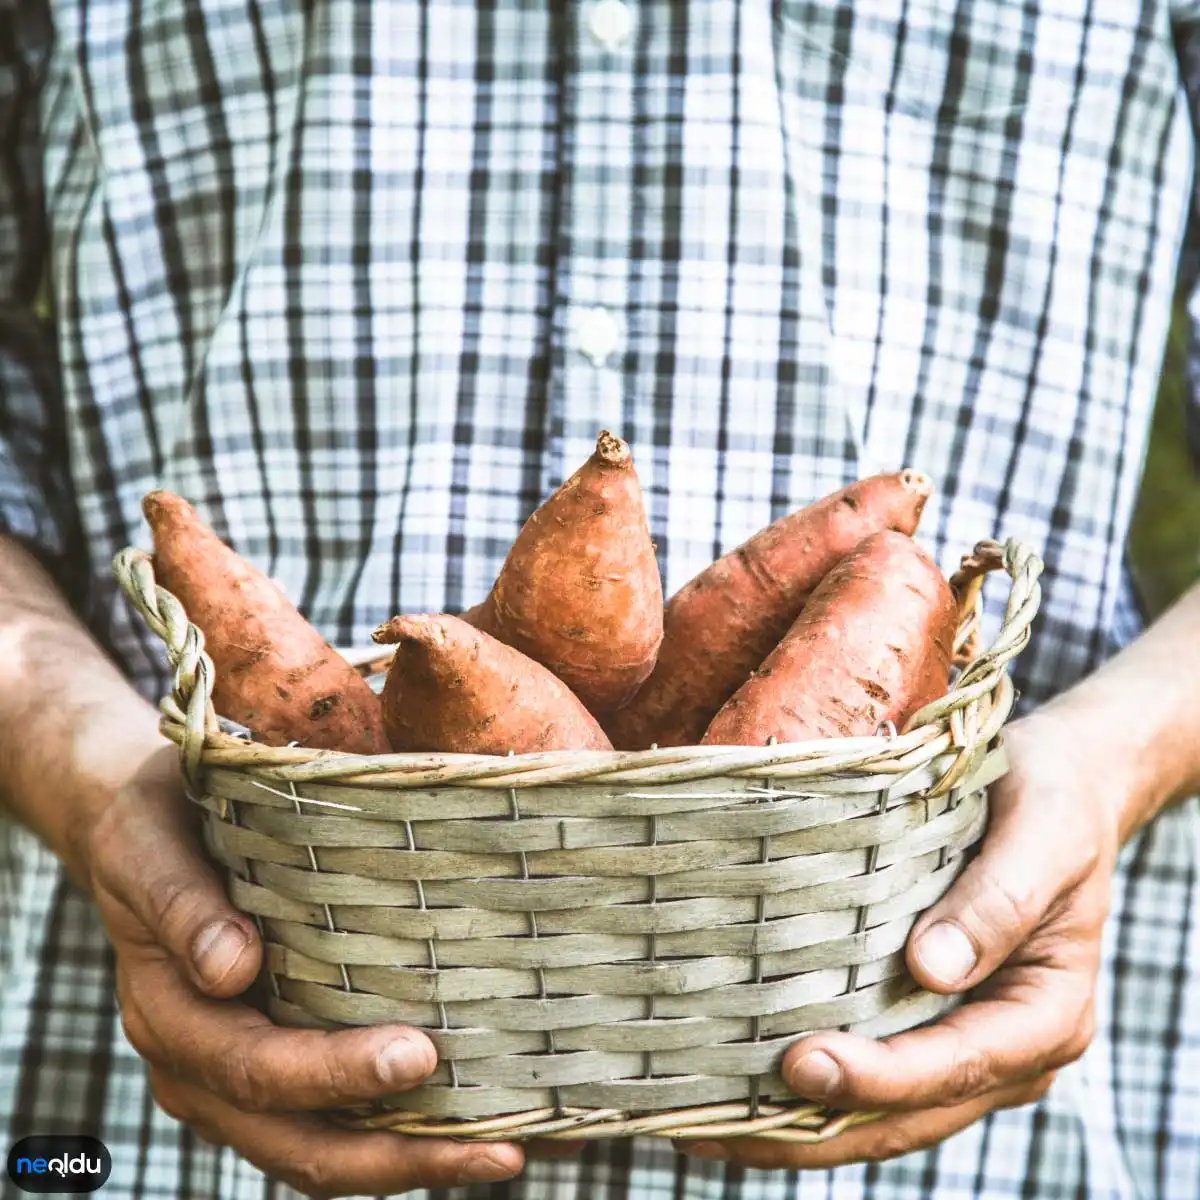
pixel 1022 927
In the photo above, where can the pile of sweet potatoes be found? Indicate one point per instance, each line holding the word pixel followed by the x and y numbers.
pixel 828 623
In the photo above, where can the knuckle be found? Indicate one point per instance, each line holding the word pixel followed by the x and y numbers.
pixel 137 1032
pixel 970 1075
pixel 1029 1093
pixel 241 1079
pixel 336 1079
pixel 889 1141
pixel 167 1096
pixel 1077 1041
pixel 1004 909
pixel 173 1101
pixel 172 906
pixel 310 1178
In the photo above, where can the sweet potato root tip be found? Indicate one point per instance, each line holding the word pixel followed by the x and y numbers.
pixel 275 674
pixel 455 689
pixel 612 451
pixel 158 504
pixel 388 633
pixel 917 482
pixel 872 645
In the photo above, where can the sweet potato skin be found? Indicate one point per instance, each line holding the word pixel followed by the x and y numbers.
pixel 873 644
pixel 721 625
pixel 275 674
pixel 580 590
pixel 455 689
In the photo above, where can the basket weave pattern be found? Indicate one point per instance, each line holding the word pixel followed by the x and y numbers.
pixel 601 943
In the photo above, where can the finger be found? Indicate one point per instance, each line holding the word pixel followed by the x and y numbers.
pixel 1024 1029
pixel 147 857
pixel 994 906
pixel 873 1141
pixel 236 1052
pixel 318 1159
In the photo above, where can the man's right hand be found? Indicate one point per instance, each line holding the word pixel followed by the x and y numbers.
pixel 184 955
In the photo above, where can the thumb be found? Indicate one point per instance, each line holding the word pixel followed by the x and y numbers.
pixel 146 855
pixel 994 906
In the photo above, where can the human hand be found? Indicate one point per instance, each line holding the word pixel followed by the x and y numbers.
pixel 1022 927
pixel 183 954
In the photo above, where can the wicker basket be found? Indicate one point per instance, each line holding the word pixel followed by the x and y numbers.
pixel 601 944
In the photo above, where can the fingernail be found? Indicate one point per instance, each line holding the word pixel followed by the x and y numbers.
pixel 946 953
pixel 216 949
pixel 816 1075
pixel 405 1060
pixel 706 1150
pixel 485 1169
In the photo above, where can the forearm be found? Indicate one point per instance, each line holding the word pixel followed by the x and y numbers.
pixel 72 730
pixel 1140 715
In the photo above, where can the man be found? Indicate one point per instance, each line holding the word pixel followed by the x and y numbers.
pixel 363 278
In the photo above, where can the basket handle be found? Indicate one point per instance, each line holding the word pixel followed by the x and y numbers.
pixel 189 703
pixel 1025 569
pixel 979 667
pixel 967 585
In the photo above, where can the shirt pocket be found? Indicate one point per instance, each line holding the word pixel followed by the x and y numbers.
pixel 972 67
pixel 886 57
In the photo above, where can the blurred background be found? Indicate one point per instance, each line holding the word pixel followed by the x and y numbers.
pixel 1164 545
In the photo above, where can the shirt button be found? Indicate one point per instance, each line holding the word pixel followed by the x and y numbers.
pixel 610 23
pixel 597 335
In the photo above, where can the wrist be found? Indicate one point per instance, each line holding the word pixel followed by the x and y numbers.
pixel 74 734
pixel 1118 747
pixel 110 758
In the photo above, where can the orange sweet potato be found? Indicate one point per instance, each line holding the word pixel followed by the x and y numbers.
pixel 275 674
pixel 455 689
pixel 721 625
pixel 580 591
pixel 873 644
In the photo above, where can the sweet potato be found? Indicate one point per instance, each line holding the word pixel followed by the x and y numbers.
pixel 275 674
pixel 456 689
pixel 580 591
pixel 721 625
pixel 873 644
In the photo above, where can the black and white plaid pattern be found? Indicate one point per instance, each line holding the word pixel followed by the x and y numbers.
pixel 363 278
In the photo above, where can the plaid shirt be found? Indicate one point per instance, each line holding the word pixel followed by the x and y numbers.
pixel 363 278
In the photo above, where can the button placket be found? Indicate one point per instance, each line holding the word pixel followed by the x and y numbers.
pixel 591 325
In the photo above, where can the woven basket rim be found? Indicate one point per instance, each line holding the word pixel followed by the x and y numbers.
pixel 189 719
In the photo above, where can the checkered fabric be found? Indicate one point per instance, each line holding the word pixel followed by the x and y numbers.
pixel 363 278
